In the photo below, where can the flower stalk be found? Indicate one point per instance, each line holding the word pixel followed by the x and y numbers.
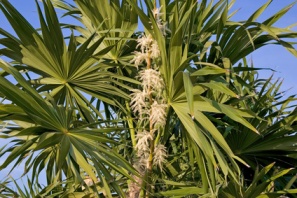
pixel 149 104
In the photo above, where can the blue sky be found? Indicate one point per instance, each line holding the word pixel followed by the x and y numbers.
pixel 274 57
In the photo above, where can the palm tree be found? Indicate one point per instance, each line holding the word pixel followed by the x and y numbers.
pixel 109 111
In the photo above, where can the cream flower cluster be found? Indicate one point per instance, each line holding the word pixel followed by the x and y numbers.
pixel 149 49
pixel 148 102
pixel 162 25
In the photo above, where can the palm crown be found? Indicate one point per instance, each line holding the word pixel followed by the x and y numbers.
pixel 173 110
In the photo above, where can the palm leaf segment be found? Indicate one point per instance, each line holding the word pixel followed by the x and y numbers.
pixel 62 143
pixel 275 121
pixel 70 73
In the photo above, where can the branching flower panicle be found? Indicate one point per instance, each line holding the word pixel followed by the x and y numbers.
pixel 138 98
pixel 143 138
pixel 160 155
pixel 155 51
pixel 158 114
pixel 139 58
pixel 148 102
pixel 145 42
pixel 149 49
pixel 151 80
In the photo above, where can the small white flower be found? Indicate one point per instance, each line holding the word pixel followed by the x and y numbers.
pixel 157 13
pixel 158 114
pixel 160 155
pixel 145 42
pixel 163 27
pixel 143 161
pixel 142 146
pixel 155 51
pixel 138 100
pixel 151 79
pixel 88 181
pixel 161 24
pixel 139 58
